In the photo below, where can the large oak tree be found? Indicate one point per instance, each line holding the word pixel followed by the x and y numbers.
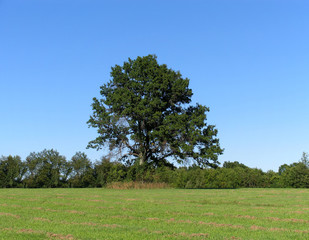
pixel 144 115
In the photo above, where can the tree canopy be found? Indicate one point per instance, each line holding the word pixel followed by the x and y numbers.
pixel 144 115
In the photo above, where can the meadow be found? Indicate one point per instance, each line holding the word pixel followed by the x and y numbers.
pixel 97 213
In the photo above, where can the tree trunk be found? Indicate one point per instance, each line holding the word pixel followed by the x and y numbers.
pixel 142 158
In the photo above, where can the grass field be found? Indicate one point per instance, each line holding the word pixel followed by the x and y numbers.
pixel 154 214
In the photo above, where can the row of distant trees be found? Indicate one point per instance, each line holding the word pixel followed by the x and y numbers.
pixel 49 169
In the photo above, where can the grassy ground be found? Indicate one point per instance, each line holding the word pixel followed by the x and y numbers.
pixel 154 214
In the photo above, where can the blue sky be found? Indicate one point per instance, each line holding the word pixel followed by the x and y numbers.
pixel 248 60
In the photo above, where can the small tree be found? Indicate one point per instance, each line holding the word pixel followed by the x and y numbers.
pixel 46 169
pixel 82 172
pixel 144 115
pixel 12 170
pixel 80 164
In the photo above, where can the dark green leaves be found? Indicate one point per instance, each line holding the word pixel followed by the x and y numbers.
pixel 144 115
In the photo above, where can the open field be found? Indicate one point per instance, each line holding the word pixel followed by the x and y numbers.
pixel 154 214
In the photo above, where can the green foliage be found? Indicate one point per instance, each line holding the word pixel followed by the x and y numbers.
pixel 295 175
pixel 49 169
pixel 81 171
pixel 234 165
pixel 106 171
pixel 273 179
pixel 144 116
pixel 12 170
pixel 46 169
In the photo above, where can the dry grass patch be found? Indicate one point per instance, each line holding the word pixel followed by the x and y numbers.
pixel 92 224
pixel 96 200
pixel 136 185
pixel 288 219
pixel 152 219
pixel 254 227
pixel 75 212
pixel 30 231
pixel 124 217
pixel 60 236
pixel 190 235
pixel 244 216
pixel 178 221
pixel 9 215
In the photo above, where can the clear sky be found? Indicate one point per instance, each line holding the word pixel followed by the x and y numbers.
pixel 248 60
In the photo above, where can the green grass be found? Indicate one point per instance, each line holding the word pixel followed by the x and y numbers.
pixel 154 214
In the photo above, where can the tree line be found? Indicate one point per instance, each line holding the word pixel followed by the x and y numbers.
pixel 50 169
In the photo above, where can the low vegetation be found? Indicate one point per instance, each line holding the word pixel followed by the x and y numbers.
pixel 154 214
pixel 49 169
